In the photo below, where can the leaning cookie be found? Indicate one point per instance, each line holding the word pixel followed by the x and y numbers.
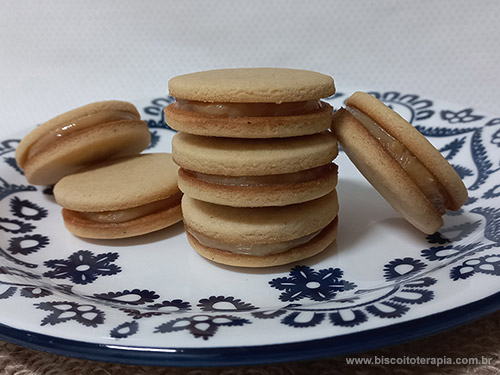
pixel 122 197
pixel 263 236
pixel 79 138
pixel 250 103
pixel 406 169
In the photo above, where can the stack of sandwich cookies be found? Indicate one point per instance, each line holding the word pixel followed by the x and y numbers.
pixel 406 169
pixel 79 138
pixel 122 197
pixel 253 143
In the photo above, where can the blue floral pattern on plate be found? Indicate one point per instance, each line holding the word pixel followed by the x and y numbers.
pixel 154 291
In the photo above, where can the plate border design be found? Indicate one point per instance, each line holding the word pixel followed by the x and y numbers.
pixel 261 354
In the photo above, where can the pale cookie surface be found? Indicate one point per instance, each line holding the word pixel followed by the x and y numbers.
pixel 415 142
pixel 85 148
pixel 385 174
pixel 67 118
pixel 79 138
pixel 253 157
pixel 259 225
pixel 318 244
pixel 252 85
pixel 119 184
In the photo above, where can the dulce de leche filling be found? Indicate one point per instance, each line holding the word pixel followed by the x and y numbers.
pixel 77 125
pixel 419 174
pixel 249 109
pixel 128 214
pixel 252 249
pixel 279 179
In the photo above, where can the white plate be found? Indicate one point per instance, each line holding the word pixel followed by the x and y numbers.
pixel 153 300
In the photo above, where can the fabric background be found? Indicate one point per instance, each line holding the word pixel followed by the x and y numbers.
pixel 57 55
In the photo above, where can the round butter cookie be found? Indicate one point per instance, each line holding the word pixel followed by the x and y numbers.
pixel 121 197
pixel 79 138
pixel 263 236
pixel 256 172
pixel 406 169
pixel 250 102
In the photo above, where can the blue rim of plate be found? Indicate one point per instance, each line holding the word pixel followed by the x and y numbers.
pixel 257 355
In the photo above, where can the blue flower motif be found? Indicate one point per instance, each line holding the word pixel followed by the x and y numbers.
pixel 436 237
pixel 462 171
pixel 26 291
pixel 35 292
pixel 452 148
pixel 439 253
pixel 163 308
pixel 12 162
pixel 295 319
pixel 226 304
pixel 488 264
pixel 304 282
pixel 124 330
pixel 201 326
pixel 82 267
pixel 463 116
pixel 9 145
pixel 15 226
pixel 492 193
pixel 16 244
pixel 492 122
pixel 129 297
pixel 63 311
pixel 495 139
pixel 24 209
pixel 403 268
pixel 7 189
pixel 8 292
pixel 356 317
pixel 454 233
pixel 470 200
pixel 492 216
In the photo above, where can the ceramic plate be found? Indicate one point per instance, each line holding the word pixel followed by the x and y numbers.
pixel 153 300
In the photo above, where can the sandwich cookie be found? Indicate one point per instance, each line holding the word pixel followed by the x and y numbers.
pixel 406 169
pixel 79 138
pixel 256 172
pixel 260 237
pixel 122 197
pixel 250 103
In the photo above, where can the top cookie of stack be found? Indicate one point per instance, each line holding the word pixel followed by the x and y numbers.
pixel 250 103
pixel 249 139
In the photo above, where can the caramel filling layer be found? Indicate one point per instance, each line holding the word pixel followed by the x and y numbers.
pixel 252 249
pixel 249 109
pixel 429 185
pixel 77 125
pixel 279 179
pixel 128 214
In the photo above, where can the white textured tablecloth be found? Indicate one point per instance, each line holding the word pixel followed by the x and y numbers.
pixel 56 55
